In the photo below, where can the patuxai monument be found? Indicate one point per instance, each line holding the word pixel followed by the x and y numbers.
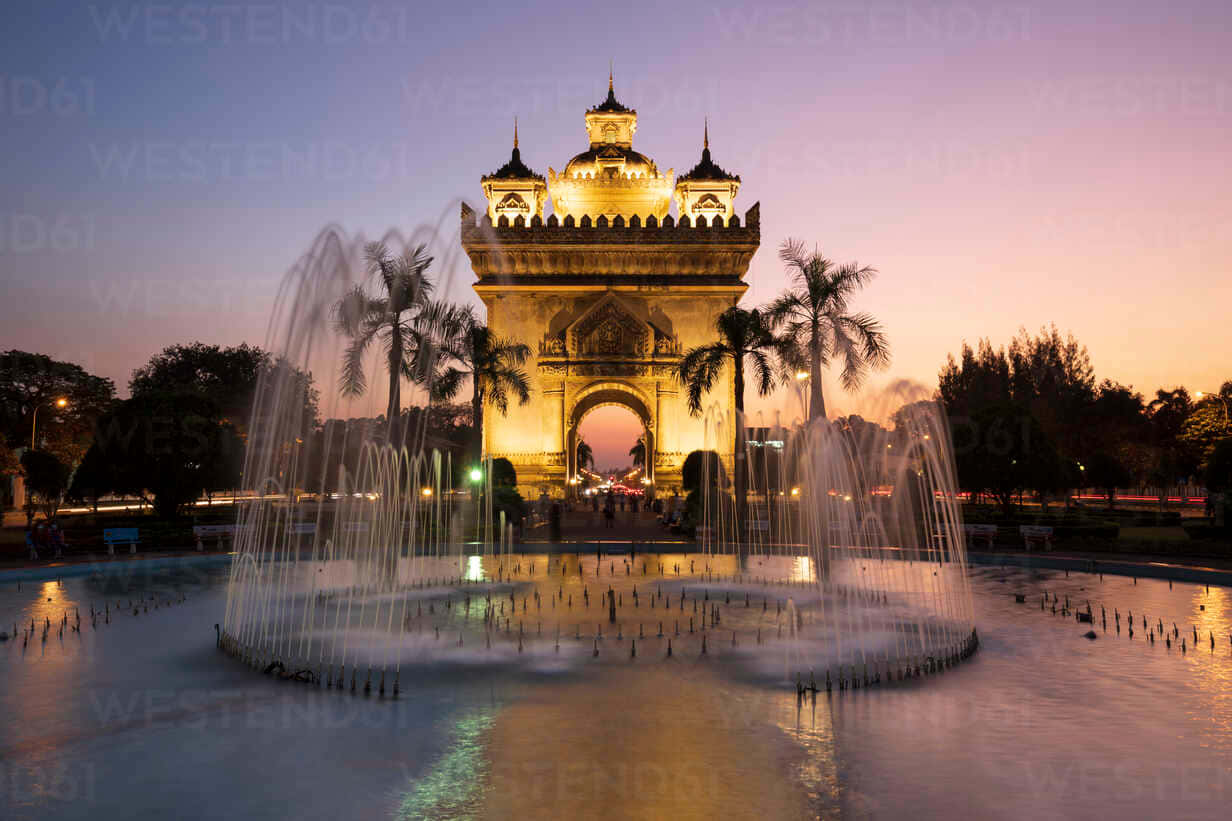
pixel 609 290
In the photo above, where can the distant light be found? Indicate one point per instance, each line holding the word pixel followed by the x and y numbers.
pixel 801 375
pixel 476 474
pixel 795 491
pixel 61 402
pixel 847 498
pixel 926 436
pixel 889 446
pixel 426 491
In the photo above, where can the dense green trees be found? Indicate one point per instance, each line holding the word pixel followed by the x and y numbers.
pixel 46 480
pixel 169 447
pixel 183 430
pixel 1031 417
pixel 32 383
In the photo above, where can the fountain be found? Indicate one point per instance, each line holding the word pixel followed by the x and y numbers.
pixel 356 551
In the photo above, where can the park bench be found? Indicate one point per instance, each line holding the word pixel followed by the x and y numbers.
pixel 985 533
pixel 113 536
pixel 1036 535
pixel 216 533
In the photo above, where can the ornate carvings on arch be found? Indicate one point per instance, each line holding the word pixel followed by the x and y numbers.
pixel 609 329
pixel 610 369
pixel 552 345
pixel 668 458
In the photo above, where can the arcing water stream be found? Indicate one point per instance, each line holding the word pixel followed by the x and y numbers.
pixel 851 564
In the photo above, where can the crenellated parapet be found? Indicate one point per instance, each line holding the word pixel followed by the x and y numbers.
pixel 711 247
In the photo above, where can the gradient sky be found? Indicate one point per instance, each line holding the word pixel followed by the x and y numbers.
pixel 1001 164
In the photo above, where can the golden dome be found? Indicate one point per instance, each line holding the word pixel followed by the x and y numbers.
pixel 610 178
pixel 610 161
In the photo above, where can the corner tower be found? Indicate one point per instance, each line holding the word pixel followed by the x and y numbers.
pixel 707 191
pixel 513 190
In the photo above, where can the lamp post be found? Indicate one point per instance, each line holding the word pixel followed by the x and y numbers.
pixel 1203 395
pixel 59 403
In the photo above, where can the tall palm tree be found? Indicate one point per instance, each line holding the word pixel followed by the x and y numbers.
pixel 744 336
pixel 638 452
pixel 494 366
pixel 585 456
pixel 398 318
pixel 815 326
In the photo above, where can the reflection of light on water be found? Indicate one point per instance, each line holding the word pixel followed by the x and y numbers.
pixel 812 729
pixel 1212 681
pixel 803 570
pixel 52 603
pixel 474 569
pixel 451 787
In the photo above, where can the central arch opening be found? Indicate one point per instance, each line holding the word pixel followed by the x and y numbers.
pixel 611 418
pixel 611 431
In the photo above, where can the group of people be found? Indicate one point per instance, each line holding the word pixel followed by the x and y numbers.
pixel 47 537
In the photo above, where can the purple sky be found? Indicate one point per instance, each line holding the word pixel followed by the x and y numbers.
pixel 1002 164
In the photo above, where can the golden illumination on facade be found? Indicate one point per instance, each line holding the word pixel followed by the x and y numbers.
pixel 610 179
pixel 609 291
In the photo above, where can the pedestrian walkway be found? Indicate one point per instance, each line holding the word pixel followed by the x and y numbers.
pixel 589 526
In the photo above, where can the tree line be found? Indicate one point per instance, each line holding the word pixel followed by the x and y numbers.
pixel 1027 417
pixel 1031 417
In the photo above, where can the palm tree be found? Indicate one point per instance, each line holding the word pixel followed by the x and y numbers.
pixel 638 452
pixel 494 366
pixel 585 456
pixel 743 336
pixel 399 318
pixel 815 326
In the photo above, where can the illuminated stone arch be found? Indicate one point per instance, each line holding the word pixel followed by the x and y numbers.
pixel 602 394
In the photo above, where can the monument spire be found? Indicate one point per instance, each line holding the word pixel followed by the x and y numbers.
pixel 515 130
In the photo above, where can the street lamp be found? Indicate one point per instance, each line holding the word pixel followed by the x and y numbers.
pixel 1206 395
pixel 476 475
pixel 59 403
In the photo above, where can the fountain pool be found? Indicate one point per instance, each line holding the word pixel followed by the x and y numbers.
pixel 144 717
